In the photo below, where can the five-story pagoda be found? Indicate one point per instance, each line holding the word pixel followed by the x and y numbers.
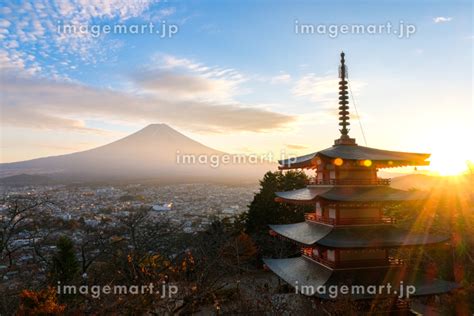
pixel 347 239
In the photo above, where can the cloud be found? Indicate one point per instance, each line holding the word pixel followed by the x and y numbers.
pixel 164 61
pixel 166 12
pixel 322 89
pixel 185 86
pixel 23 117
pixel 4 24
pixel 176 83
pixel 33 26
pixel 172 77
pixel 178 91
pixel 18 62
pixel 281 78
pixel 296 147
pixel 48 104
pixel 442 19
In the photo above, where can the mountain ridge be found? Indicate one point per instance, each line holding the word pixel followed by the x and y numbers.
pixel 151 151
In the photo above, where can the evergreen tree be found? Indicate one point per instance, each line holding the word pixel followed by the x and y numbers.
pixel 263 210
pixel 64 266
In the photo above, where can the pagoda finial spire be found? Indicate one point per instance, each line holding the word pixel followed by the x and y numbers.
pixel 343 113
pixel 343 106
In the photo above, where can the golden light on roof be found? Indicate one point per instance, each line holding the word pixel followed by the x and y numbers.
pixel 367 163
pixel 338 162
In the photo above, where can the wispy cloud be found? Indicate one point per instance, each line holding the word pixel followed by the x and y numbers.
pixel 185 79
pixel 442 19
pixel 322 89
pixel 185 86
pixel 38 103
pixel 283 77
pixel 296 147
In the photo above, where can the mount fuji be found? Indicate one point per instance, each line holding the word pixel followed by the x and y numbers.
pixel 150 153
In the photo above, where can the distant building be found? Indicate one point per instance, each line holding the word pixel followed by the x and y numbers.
pixel 65 216
pixel 229 210
pixel 162 207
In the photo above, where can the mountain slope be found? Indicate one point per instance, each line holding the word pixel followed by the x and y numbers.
pixel 414 181
pixel 150 152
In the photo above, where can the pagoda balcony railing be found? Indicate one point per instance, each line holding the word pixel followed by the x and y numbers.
pixel 343 264
pixel 312 217
pixel 379 181
pixel 323 261
pixel 396 261
pixel 349 221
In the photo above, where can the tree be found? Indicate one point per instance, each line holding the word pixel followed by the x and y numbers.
pixel 20 217
pixel 64 265
pixel 239 250
pixel 263 210
pixel 42 302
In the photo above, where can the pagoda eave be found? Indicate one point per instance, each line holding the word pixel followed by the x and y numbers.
pixel 311 278
pixel 349 194
pixel 354 237
pixel 379 158
pixel 295 202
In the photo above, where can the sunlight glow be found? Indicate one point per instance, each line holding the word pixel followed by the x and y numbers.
pixel 450 155
pixel 445 165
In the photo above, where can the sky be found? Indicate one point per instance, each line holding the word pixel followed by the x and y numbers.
pixel 238 76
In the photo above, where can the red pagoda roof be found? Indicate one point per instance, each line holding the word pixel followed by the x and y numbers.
pixel 351 194
pixel 380 158
pixel 376 236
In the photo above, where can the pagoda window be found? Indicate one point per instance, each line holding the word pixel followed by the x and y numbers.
pixel 316 252
pixel 372 212
pixel 318 206
pixel 323 253
pixel 332 213
pixel 365 174
pixel 319 210
pixel 366 254
pixel 331 255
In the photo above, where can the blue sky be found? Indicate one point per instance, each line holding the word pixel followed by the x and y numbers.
pixel 236 76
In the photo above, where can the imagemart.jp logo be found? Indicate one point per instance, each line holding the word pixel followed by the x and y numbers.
pixel 334 291
pixel 163 290
pixel 162 29
pixel 402 30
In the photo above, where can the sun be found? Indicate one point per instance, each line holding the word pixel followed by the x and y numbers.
pixel 451 155
pixel 450 159
pixel 446 165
